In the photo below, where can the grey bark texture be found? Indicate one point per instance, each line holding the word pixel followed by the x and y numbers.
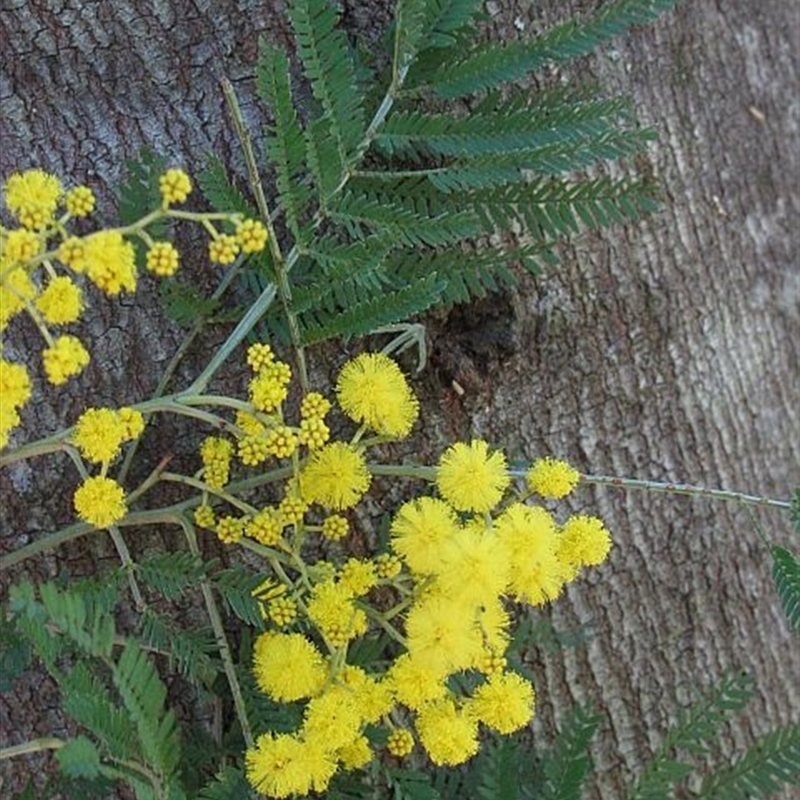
pixel 665 350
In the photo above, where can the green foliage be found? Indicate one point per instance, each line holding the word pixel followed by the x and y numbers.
pixel 566 766
pixel 413 193
pixel 786 574
pixel 139 193
pixel 188 651
pixel 235 586
pixel 79 758
pixel 693 732
pixel 171 574
pixel 229 784
pixel 768 765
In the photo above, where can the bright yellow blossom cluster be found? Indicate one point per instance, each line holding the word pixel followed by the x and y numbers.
pixel 42 264
pixel 99 435
pixel 456 562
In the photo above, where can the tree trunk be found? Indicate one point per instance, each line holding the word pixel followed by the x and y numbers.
pixel 664 350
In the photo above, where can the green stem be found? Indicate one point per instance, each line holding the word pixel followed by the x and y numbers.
pixel 219 633
pixel 246 324
pixel 678 488
pixel 177 357
pixel 32 746
pixel 281 272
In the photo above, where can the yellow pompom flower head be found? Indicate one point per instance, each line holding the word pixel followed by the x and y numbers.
pixel 470 478
pixel 372 390
pixel 175 186
pixel 336 476
pixel 550 477
pixel 33 197
pixel 100 502
pixel 80 201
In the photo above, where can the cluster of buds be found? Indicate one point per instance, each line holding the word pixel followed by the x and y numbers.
pixel 42 265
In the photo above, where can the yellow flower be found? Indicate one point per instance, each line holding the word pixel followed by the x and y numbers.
pixel 132 420
pixel 216 453
pixel 162 259
pixel 204 517
pixel 16 287
pixel 550 477
pixel 61 302
pixel 282 611
pixel 33 196
pixel 449 735
pixel 358 576
pixel 372 390
pixel 283 765
pixel 223 249
pixel 504 703
pixel 21 245
pixel 287 666
pixel 335 527
pixel 67 357
pixel 252 236
pixel 268 389
pixel 528 533
pixel 471 479
pixel 331 610
pixel 230 529
pixel 175 186
pixel 100 502
pixel 110 262
pixel 260 356
pixel 315 406
pixel 583 541
pixel 419 530
pixel 355 755
pixel 99 433
pixel 473 562
pixel 265 527
pixel 442 632
pixel 400 742
pixel 80 201
pixel 414 683
pixel 314 433
pixel 15 383
pixel 333 717
pixel 335 476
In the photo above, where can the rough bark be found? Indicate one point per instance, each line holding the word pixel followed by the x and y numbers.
pixel 666 350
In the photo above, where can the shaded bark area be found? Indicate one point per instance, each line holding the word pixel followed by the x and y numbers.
pixel 666 350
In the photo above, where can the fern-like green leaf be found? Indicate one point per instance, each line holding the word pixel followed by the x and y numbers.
pixel 235 586
pixel 694 730
pixel 79 758
pixel 767 769
pixel 390 307
pixel 89 703
pixel 550 208
pixel 219 191
pixel 500 125
pixel 171 574
pixel 328 65
pixel 566 765
pixel 285 143
pixel 93 633
pixel 144 694
pixel 139 192
pixel 189 650
pixel 422 24
pixel 229 784
pixel 415 222
pixel 492 64
pixel 786 574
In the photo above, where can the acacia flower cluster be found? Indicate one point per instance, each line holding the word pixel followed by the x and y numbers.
pixel 44 265
pixel 457 559
pixel 99 435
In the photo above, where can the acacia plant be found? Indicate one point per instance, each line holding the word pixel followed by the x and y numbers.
pixel 350 676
